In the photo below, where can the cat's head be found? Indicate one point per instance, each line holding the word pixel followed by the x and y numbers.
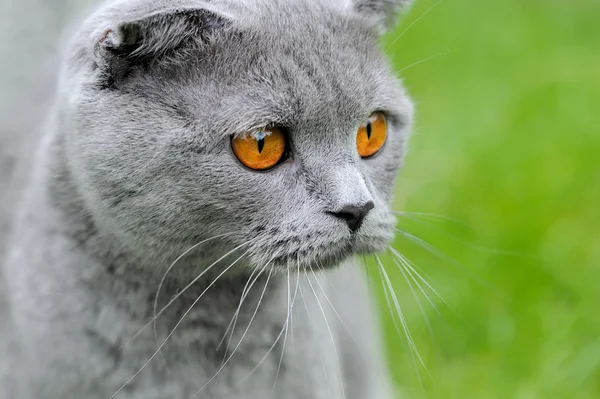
pixel 188 119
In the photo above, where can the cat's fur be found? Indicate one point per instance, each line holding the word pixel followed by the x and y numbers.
pixel 135 167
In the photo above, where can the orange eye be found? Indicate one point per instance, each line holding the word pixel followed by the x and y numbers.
pixel 371 135
pixel 260 150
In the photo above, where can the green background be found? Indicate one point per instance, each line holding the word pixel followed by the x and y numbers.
pixel 506 145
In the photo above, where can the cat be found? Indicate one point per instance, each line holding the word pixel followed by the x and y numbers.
pixel 207 175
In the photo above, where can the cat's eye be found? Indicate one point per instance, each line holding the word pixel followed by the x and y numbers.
pixel 261 149
pixel 371 135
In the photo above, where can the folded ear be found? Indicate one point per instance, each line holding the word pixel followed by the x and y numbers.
pixel 381 14
pixel 127 43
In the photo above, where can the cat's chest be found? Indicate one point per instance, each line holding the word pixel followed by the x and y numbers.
pixel 260 360
pixel 94 351
pixel 266 353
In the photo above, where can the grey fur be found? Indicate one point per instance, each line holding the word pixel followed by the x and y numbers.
pixel 135 167
pixel 381 13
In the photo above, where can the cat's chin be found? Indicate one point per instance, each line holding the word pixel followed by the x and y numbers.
pixel 331 257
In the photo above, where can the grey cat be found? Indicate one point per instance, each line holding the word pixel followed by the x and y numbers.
pixel 158 253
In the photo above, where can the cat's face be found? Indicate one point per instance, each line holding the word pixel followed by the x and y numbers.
pixel 150 138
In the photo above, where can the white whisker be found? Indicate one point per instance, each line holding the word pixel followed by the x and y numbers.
pixel 181 293
pixel 185 314
pixel 401 267
pixel 243 335
pixel 281 332
pixel 287 320
pixel 164 277
pixel 434 251
pixel 428 216
pixel 339 367
pixel 312 325
pixel 389 291
pixel 410 267
pixel 400 313
pixel 246 289
pixel 333 307
pixel 426 245
pixel 278 336
pixel 390 308
pixel 422 61
pixel 322 270
pixel 501 252
pixel 295 293
pixel 407 273
pixel 407 332
pixel 232 324
pixel 411 25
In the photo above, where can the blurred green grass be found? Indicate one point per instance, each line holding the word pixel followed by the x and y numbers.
pixel 505 142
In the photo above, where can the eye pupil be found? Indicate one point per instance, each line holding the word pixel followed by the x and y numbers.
pixel 261 145
pixel 369 131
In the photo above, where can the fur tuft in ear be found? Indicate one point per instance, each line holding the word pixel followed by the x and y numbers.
pixel 382 14
pixel 120 47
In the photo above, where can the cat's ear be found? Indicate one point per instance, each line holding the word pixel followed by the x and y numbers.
pixel 125 44
pixel 380 14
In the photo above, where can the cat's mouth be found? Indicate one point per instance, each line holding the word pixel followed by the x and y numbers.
pixel 293 246
pixel 326 255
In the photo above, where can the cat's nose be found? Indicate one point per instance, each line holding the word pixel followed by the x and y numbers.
pixel 354 215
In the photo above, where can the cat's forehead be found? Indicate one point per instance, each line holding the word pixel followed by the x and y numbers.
pixel 283 62
pixel 312 70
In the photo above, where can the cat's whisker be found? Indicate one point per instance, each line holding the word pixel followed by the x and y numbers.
pixel 390 308
pixel 369 283
pixel 427 216
pixel 435 251
pixel 367 276
pixel 262 360
pixel 412 24
pixel 243 335
pixel 331 304
pixel 237 312
pixel 232 264
pixel 409 215
pixel 322 270
pixel 410 267
pixel 323 273
pixel 245 291
pixel 387 293
pixel 425 245
pixel 164 277
pixel 409 272
pixel 421 61
pixel 186 312
pixel 334 346
pixel 232 324
pixel 295 293
pixel 157 315
pixel 402 269
pixel 398 308
pixel 315 333
pixel 411 343
pixel 276 339
pixel 290 305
